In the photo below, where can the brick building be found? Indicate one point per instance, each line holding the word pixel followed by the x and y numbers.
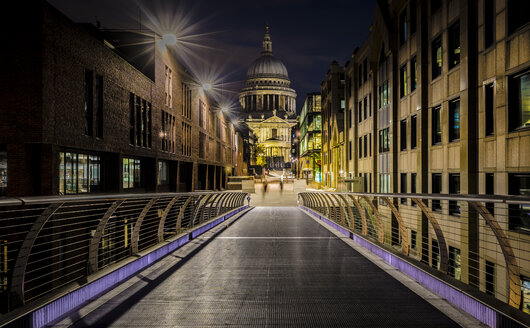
pixel 82 114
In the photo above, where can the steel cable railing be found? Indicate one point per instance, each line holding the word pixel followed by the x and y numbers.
pixel 482 242
pixel 49 243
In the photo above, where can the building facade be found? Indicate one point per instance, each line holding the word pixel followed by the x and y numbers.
pixel 269 105
pixel 81 118
pixel 437 102
pixel 333 106
pixel 311 139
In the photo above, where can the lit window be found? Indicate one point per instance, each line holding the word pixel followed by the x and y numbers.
pixel 436 125
pixel 436 59
pixel 132 177
pixel 519 101
pixel 79 173
pixel 454 45
pixel 454 120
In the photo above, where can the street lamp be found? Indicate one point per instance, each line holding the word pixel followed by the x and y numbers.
pixel 169 39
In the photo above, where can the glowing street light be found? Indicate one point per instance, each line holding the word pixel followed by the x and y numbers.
pixel 169 39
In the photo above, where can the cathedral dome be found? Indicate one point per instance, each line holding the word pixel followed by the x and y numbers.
pixel 267 66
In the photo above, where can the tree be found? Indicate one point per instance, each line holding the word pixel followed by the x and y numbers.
pixel 258 155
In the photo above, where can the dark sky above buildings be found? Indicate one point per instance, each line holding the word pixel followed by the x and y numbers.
pixel 222 38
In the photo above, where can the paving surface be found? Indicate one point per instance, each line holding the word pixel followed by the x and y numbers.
pixel 274 267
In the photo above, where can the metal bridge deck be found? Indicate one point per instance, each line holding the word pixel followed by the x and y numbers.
pixel 274 267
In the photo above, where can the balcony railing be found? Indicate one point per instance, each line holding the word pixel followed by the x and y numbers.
pixel 48 243
pixel 477 243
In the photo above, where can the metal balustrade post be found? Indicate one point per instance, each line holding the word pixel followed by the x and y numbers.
pixel 181 214
pixel 364 230
pixel 350 212
pixel 402 228
pixel 93 249
pixel 138 225
pixel 220 203
pixel 442 244
pixel 380 228
pixel 342 211
pixel 19 270
pixel 326 206
pixel 507 251
pixel 162 222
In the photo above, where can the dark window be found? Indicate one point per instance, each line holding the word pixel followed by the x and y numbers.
pixel 489 22
pixel 413 184
pixel 370 144
pixel 366 146
pixel 403 80
pixel 403 27
pixel 370 104
pixel 454 45
pixel 413 74
pixel 518 14
pixel 489 115
pixel 435 5
pixel 435 254
pixel 360 147
pixel 413 131
pixel 436 125
pixel 99 106
pixel 490 278
pixel 436 189
pixel 403 178
pixel 454 189
pixel 454 120
pixel 436 60
pixel 350 150
pixel 413 239
pixel 403 135
pixel 360 111
pixel 132 120
pixel 384 140
pixel 163 173
pixel 412 17
pixel 365 108
pixel 518 100
pixel 490 190
pixel 138 104
pixel 454 262
pixel 89 102
pixel 519 215
pixel 365 70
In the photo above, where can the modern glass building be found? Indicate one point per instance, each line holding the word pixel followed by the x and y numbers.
pixel 311 138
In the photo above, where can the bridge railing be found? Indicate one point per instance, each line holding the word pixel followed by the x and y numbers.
pixel 474 242
pixel 47 243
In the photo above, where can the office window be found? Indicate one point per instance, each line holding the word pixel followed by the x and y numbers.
pixel 525 286
pixel 89 102
pixel 519 184
pixel 413 239
pixel 436 189
pixel 403 134
pixel 518 14
pixel 163 173
pixel 360 147
pixel 370 144
pixel 489 109
pixel 384 140
pixel 435 254
pixel 365 108
pixel 454 120
pixel 350 150
pixel 99 106
pixel 168 87
pixel 489 23
pixel 436 58
pixel 403 80
pixel 186 100
pixel 3 170
pixel 490 190
pixel 370 104
pixel 403 27
pixel 342 105
pixel 454 262
pixel 490 278
pixel 186 139
pixel 413 74
pixel 132 120
pixel 413 184
pixel 454 45
pixel 454 189
pixel 365 70
pixel 132 177
pixel 413 131
pixel 519 101
pixel 366 146
pixel 413 17
pixel 403 180
pixel 436 125
pixel 79 173
pixel 360 107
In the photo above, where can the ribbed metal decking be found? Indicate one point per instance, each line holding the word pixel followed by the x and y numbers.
pixel 274 267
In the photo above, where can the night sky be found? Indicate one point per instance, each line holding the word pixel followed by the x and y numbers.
pixel 224 37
